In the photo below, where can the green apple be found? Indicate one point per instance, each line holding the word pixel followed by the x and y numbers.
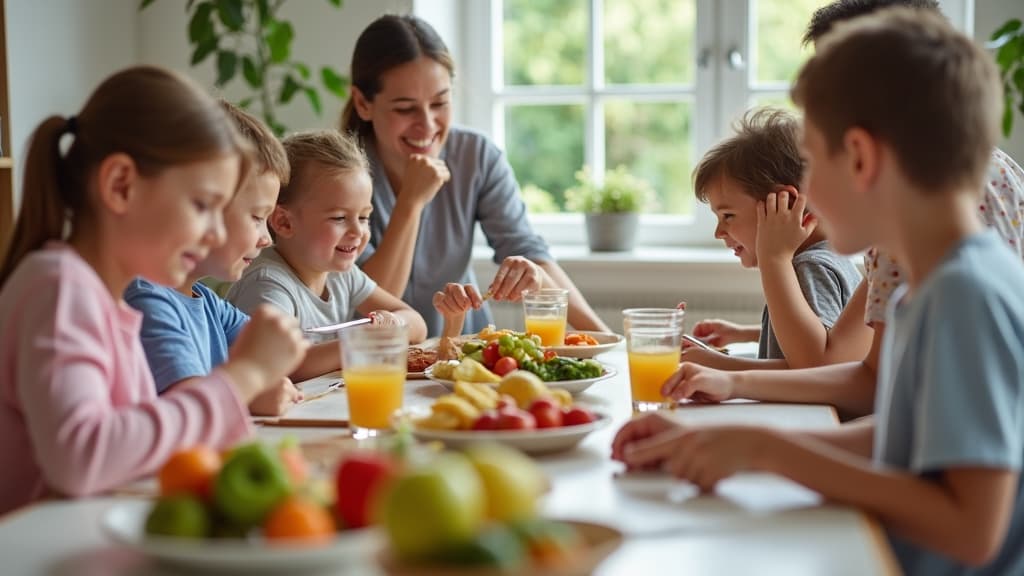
pixel 512 482
pixel 435 507
pixel 496 546
pixel 252 481
pixel 181 515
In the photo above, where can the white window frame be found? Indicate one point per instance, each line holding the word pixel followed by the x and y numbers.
pixel 721 92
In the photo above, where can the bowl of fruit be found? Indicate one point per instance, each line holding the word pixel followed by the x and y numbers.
pixel 255 510
pixel 521 411
pixel 476 513
pixel 586 344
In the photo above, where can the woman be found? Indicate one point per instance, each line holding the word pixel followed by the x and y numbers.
pixel 433 182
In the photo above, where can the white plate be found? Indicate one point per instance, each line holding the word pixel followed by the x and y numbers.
pixel 605 342
pixel 125 523
pixel 572 386
pixel 538 441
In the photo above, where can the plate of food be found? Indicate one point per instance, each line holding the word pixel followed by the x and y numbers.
pixel 447 372
pixel 418 360
pixel 125 523
pixel 586 344
pixel 530 441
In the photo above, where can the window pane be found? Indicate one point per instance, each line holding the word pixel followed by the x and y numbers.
pixel 653 140
pixel 779 25
pixel 774 99
pixel 545 147
pixel 649 41
pixel 545 42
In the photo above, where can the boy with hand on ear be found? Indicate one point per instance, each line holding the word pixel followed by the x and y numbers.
pixel 752 182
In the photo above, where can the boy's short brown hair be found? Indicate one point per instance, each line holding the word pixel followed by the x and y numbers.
pixel 327 150
pixel 269 155
pixel 762 155
pixel 912 81
pixel 827 16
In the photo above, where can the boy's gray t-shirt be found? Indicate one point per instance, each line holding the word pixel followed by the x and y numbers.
pixel 827 281
pixel 482 190
pixel 269 280
pixel 951 386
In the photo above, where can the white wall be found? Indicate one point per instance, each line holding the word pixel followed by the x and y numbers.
pixel 324 36
pixel 988 16
pixel 58 51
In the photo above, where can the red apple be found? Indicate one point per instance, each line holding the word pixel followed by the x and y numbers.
pixel 576 415
pixel 547 412
pixel 505 365
pixel 491 354
pixel 515 419
pixel 358 481
pixel 488 420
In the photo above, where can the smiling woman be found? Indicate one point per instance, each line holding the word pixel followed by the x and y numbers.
pixel 433 182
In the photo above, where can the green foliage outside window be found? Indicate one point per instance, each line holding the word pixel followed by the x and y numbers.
pixel 1008 41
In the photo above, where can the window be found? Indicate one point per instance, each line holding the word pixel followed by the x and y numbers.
pixel 649 84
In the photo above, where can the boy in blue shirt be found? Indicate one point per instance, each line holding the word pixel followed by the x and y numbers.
pixel 901 114
pixel 188 331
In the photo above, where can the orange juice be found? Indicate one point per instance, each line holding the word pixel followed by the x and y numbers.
pixel 374 393
pixel 551 329
pixel 648 370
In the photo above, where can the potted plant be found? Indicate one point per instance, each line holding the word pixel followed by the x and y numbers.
pixel 1008 43
pixel 611 208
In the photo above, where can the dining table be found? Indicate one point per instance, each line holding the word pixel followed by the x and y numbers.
pixel 752 523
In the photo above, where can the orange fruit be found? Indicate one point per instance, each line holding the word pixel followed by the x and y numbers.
pixel 299 519
pixel 190 471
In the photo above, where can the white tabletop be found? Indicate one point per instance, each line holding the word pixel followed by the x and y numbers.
pixel 754 524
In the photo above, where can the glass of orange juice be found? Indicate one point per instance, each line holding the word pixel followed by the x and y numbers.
pixel 373 365
pixel 652 340
pixel 545 311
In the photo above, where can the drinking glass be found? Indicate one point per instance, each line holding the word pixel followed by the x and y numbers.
pixel 373 361
pixel 652 342
pixel 545 312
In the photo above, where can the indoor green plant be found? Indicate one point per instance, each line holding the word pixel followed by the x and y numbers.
pixel 1008 42
pixel 611 207
pixel 250 40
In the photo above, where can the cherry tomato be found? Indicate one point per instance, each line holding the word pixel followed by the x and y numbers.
pixel 491 354
pixel 505 365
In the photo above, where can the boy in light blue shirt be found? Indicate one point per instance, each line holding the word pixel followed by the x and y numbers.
pixel 901 114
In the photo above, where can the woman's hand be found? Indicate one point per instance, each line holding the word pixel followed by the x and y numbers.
pixel 515 275
pixel 781 230
pixel 422 178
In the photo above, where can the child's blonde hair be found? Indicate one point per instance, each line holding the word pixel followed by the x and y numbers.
pixel 268 153
pixel 326 150
pixel 157 117
pixel 763 154
pixel 912 81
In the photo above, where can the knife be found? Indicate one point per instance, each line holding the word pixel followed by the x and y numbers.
pixel 336 327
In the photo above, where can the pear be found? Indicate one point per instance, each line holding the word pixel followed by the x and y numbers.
pixel 512 482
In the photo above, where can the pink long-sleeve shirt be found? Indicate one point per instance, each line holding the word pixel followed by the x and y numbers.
pixel 79 412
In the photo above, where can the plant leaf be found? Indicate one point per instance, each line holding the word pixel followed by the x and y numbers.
pixel 1009 26
pixel 253 74
pixel 302 69
pixel 204 49
pixel 144 3
pixel 244 103
pixel 231 15
pixel 336 3
pixel 279 39
pixel 334 83
pixel 200 26
pixel 1008 117
pixel 288 89
pixel 227 62
pixel 1010 53
pixel 314 99
pixel 263 10
pixel 1018 80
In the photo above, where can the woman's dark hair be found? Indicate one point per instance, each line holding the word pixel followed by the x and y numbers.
pixel 389 41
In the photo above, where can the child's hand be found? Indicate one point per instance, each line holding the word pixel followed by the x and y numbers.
pixel 697 355
pixel 268 349
pixel 455 299
pixel 276 400
pixel 515 274
pixel 385 318
pixel 639 430
pixel 698 383
pixel 781 229
pixel 719 332
pixel 704 455
pixel 423 177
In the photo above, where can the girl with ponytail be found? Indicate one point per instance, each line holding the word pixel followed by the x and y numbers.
pixel 133 185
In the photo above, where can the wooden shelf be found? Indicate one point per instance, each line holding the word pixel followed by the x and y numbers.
pixel 6 162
